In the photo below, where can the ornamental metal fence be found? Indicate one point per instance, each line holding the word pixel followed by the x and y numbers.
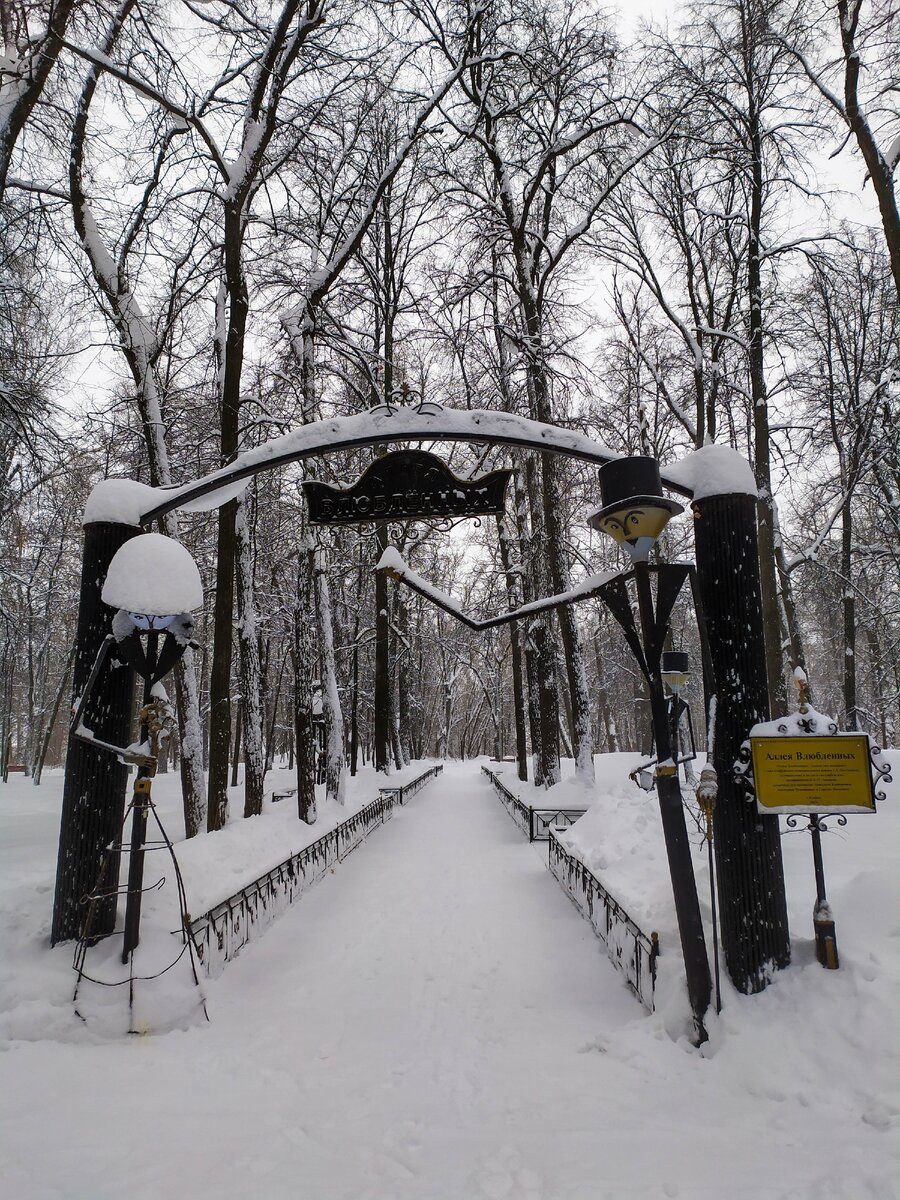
pixel 406 791
pixel 222 931
pixel 536 822
pixel 629 948
pixel 519 812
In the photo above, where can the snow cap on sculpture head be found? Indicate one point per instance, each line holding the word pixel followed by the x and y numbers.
pixel 154 583
pixel 153 576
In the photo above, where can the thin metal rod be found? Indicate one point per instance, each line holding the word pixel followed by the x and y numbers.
pixel 818 862
pixel 823 921
pixel 715 916
pixel 141 806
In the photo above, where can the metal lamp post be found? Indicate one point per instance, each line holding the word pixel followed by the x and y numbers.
pixel 634 514
pixel 675 671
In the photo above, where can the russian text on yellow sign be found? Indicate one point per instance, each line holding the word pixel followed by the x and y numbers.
pixel 813 774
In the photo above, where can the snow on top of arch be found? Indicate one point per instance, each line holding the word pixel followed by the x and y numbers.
pixel 125 502
pixel 153 574
pixel 712 470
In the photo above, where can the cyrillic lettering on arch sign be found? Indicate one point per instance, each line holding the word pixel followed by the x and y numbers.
pixel 406 485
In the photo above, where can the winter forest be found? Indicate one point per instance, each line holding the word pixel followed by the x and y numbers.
pixel 223 220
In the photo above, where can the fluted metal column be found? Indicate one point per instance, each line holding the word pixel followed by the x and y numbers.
pixel 93 804
pixel 752 907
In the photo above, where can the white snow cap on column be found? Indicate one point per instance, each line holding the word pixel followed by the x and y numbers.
pixel 153 574
pixel 713 471
pixel 124 501
pixel 120 501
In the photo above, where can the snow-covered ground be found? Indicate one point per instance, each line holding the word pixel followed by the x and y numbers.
pixel 434 1021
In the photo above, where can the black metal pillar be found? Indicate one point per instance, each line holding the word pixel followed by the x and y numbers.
pixel 671 808
pixel 752 907
pixel 823 918
pixel 93 804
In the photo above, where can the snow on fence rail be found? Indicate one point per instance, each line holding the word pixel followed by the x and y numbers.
pixel 406 791
pixel 628 947
pixel 536 822
pixel 222 931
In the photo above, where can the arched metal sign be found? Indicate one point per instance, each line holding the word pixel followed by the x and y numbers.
pixel 403 485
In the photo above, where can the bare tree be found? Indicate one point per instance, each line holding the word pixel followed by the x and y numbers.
pixel 846 328
pixel 33 39
pixel 549 139
pixel 861 89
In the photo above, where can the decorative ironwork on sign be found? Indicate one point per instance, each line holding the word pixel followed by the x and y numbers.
pixel 403 485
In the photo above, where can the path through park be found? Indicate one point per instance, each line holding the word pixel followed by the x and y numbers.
pixel 432 1022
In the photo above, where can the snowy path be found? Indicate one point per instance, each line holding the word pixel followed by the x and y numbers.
pixel 435 1022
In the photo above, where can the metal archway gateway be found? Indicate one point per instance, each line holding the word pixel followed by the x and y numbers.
pixel 750 877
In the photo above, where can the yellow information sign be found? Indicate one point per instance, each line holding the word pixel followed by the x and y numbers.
pixel 813 774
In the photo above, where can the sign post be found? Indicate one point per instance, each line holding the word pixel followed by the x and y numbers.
pixel 792 768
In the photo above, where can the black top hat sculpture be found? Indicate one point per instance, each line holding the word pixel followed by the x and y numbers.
pixel 634 512
pixel 675 668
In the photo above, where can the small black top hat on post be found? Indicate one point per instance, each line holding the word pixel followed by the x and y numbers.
pixel 634 512
pixel 675 668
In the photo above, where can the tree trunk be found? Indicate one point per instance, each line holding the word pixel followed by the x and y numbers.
pixel 848 605
pixel 880 171
pixel 303 658
pixel 381 715
pixel 251 682
pixel 331 701
pixel 51 721
pixel 795 648
pixel 191 742
pixel 513 597
pixel 604 712
pixel 403 679
pixel 574 655
pixel 540 656
pixel 236 747
pixel 230 333
pixel 273 719
pixel 878 683
pixel 354 712
pixel 220 672
pixel 759 394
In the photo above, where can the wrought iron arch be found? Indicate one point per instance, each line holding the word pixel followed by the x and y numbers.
pixel 427 422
